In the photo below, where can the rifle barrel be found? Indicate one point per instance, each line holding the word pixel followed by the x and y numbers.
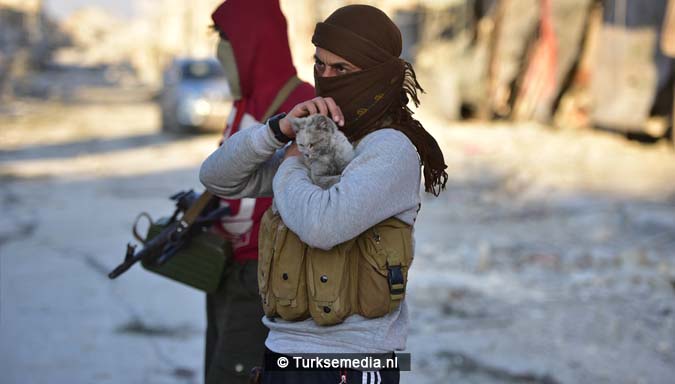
pixel 156 244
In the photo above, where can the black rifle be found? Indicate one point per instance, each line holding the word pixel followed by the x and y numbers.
pixel 175 235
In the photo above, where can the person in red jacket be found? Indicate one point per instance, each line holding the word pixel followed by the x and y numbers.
pixel 255 54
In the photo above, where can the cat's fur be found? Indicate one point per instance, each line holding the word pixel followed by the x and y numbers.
pixel 325 149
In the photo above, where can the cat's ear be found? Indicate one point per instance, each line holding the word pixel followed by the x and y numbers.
pixel 325 124
pixel 295 123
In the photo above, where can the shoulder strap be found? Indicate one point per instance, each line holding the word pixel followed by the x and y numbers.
pixel 286 90
pixel 668 33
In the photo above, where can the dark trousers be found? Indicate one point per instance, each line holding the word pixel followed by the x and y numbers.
pixel 235 335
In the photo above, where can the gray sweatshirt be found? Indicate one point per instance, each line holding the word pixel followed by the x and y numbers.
pixel 382 181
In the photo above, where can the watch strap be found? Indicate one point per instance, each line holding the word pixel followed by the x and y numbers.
pixel 273 123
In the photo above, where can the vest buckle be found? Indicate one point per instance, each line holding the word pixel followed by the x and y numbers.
pixel 395 279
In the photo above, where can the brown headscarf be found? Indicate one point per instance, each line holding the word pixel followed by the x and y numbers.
pixel 377 96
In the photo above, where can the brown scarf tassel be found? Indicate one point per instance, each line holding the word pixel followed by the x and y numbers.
pixel 430 153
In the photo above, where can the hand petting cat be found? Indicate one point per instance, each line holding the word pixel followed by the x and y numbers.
pixel 318 105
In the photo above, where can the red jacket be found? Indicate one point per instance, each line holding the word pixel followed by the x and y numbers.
pixel 257 31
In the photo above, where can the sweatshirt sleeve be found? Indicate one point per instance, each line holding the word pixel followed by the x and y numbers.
pixel 244 165
pixel 382 181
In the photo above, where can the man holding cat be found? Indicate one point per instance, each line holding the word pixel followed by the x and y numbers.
pixel 333 262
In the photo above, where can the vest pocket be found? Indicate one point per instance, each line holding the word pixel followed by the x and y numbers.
pixel 331 274
pixel 281 278
pixel 385 255
pixel 289 283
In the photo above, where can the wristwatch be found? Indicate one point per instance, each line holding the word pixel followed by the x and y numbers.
pixel 273 123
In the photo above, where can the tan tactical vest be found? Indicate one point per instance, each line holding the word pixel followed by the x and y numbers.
pixel 366 275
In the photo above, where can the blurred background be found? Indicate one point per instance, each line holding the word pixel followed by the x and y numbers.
pixel 549 259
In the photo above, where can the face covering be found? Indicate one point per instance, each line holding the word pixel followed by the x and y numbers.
pixel 225 55
pixel 364 96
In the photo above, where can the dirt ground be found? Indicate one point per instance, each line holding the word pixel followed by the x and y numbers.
pixel 550 258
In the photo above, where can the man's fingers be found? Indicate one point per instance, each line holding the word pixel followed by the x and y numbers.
pixel 321 105
pixel 335 111
pixel 311 108
pixel 299 111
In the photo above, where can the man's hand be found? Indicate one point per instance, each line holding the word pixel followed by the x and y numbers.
pixel 292 150
pixel 318 105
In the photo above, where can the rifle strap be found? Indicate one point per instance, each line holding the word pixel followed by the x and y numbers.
pixel 281 97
